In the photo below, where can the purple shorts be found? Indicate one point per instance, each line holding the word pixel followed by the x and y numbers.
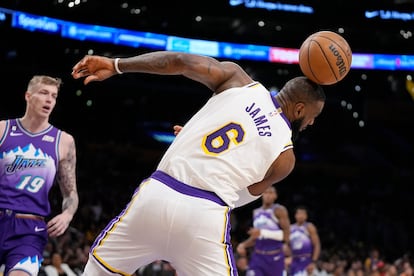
pixel 22 241
pixel 266 264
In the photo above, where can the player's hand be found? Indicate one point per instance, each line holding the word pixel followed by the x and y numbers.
pixel 177 129
pixel 288 261
pixel 241 250
pixel 94 68
pixel 58 225
pixel 311 268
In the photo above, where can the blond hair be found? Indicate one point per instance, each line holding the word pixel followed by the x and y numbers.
pixel 42 79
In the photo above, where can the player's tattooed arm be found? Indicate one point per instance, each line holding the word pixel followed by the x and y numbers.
pixel 66 179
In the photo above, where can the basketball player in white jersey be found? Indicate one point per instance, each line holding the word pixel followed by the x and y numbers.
pixel 225 156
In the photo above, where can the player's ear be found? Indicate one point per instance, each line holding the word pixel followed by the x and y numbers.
pixel 27 95
pixel 299 109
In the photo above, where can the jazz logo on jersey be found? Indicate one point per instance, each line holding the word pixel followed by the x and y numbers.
pixel 21 163
pixel 19 159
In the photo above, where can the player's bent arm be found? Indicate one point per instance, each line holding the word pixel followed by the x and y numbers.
pixel 314 236
pixel 278 171
pixel 66 175
pixel 282 215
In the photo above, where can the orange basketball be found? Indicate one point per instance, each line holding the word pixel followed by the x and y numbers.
pixel 325 57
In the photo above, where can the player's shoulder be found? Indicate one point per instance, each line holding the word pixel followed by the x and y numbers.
pixel 3 125
pixel 66 138
pixel 279 208
pixel 310 226
pixel 67 146
pixel 278 205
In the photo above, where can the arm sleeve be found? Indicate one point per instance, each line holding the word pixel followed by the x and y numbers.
pixel 271 234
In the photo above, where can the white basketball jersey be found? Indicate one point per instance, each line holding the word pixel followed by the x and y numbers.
pixel 230 142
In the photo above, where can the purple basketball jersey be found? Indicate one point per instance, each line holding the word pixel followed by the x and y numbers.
pixel 266 219
pixel 301 246
pixel 267 258
pixel 28 163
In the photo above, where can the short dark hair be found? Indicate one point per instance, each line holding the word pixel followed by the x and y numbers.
pixel 301 207
pixel 302 89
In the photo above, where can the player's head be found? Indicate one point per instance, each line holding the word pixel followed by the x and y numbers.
pixel 301 214
pixel 41 95
pixel 305 100
pixel 269 195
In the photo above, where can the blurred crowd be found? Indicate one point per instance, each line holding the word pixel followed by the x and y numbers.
pixel 71 251
pixel 69 254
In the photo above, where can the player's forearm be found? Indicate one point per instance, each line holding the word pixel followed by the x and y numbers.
pixel 162 62
pixel 316 252
pixel 286 235
pixel 203 69
pixel 284 223
pixel 67 181
pixel 70 203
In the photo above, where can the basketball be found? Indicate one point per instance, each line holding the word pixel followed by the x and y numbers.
pixel 325 57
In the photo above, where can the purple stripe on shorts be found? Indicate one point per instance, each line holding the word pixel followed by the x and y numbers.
pixel 227 239
pixel 185 189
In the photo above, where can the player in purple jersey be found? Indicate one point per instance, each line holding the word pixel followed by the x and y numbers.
pixel 33 153
pixel 304 243
pixel 269 236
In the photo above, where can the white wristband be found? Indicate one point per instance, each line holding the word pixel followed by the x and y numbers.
pixel 116 66
pixel 271 234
